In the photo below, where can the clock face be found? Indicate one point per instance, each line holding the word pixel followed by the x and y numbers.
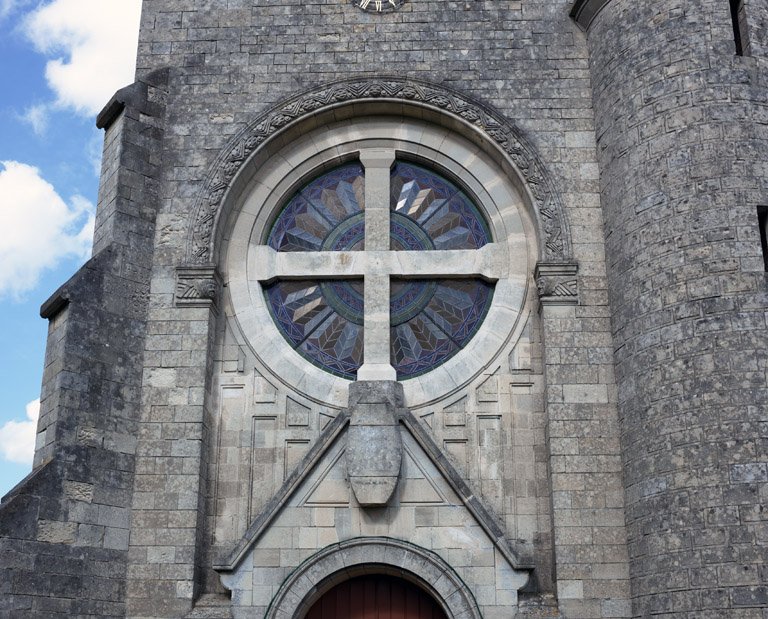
pixel 378 6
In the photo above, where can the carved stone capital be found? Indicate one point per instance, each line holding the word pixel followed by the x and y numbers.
pixel 197 287
pixel 557 283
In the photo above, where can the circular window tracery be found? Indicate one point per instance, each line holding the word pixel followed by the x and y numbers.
pixel 430 319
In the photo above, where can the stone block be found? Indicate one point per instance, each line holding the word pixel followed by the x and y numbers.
pixel 54 532
pixel 749 473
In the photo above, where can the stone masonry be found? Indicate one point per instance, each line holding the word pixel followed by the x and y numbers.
pixel 681 142
pixel 65 528
pixel 598 450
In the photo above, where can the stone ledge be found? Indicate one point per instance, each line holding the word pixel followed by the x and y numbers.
pixel 212 606
pixel 134 95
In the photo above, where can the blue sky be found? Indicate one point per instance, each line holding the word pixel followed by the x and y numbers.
pixel 60 62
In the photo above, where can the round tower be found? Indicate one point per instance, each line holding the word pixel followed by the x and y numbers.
pixel 682 145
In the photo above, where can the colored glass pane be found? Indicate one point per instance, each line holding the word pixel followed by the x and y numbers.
pixel 445 214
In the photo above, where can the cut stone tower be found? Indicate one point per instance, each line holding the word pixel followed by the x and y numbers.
pixel 466 299
pixel 681 140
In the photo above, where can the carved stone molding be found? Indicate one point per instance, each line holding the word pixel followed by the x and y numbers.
pixel 197 287
pixel 553 229
pixel 557 283
pixel 584 11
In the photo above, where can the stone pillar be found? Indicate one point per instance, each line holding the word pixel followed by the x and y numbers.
pixel 168 516
pixel 682 171
pixel 590 555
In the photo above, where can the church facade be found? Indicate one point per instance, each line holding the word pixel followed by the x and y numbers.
pixel 416 307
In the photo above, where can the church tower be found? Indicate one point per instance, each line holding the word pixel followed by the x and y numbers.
pixel 681 143
pixel 428 308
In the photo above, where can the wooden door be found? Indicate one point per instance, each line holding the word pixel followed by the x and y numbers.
pixel 376 596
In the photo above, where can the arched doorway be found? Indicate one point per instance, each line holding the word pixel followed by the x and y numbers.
pixel 375 595
pixel 377 556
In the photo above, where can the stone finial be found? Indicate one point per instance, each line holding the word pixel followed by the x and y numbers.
pixel 374 448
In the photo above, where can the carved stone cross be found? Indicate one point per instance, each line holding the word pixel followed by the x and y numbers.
pixel 377 264
pixel 374 450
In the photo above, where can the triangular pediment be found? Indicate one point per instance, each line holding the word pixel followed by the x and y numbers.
pixel 315 506
pixel 420 484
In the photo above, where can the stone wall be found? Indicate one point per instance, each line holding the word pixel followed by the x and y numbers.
pixel 681 128
pixel 64 530
pixel 528 60
pixel 428 512
pixel 548 410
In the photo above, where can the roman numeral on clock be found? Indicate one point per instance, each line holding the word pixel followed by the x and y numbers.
pixel 378 5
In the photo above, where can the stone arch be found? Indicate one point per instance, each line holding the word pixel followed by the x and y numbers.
pixel 344 560
pixel 369 96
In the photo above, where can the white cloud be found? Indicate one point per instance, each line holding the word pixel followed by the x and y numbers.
pixel 92 45
pixel 17 438
pixel 8 6
pixel 37 116
pixel 95 149
pixel 43 229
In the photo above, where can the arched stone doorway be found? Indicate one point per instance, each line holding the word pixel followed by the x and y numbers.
pixel 375 595
pixel 377 557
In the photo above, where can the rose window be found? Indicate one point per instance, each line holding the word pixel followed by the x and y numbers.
pixel 414 297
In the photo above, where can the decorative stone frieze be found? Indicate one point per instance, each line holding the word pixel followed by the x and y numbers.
pixel 548 206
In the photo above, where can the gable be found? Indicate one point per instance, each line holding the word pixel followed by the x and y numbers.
pixel 315 509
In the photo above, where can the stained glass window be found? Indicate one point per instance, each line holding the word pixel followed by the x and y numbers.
pixel 430 319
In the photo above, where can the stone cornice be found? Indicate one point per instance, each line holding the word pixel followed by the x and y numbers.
pixel 584 11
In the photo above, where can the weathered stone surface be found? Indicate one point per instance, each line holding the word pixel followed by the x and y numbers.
pixel 374 451
pixel 316 541
pixel 676 139
pixel 615 434
pixel 72 513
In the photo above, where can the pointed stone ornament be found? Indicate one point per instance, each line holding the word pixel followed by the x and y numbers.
pixel 374 451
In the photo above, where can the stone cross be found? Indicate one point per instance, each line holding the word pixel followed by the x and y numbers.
pixel 374 448
pixel 377 264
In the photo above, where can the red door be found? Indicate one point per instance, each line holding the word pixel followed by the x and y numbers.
pixel 376 596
